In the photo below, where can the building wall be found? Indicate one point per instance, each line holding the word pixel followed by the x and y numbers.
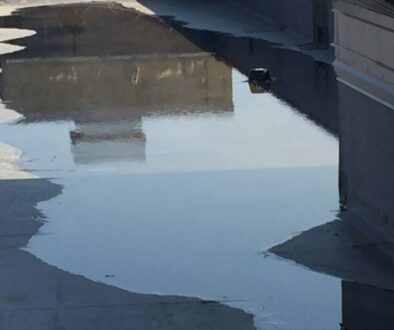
pixel 364 40
pixel 365 68
pixel 367 159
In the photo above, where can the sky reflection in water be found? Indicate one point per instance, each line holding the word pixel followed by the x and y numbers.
pixel 193 208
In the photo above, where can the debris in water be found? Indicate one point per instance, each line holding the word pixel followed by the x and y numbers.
pixel 259 80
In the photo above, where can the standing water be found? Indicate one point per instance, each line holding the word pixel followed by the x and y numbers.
pixel 176 178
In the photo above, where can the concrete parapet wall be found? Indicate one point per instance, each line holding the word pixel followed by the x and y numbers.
pixel 364 40
pixel 364 65
pixel 367 159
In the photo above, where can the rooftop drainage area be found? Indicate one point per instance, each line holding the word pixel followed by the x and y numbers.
pixel 145 184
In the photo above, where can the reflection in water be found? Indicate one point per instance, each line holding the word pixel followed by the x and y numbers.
pixel 228 179
pixel 107 97
pixel 225 171
pixel 74 23
pixel 365 307
pixel 360 247
pixel 107 88
pixel 105 91
pixel 307 85
pixel 172 86
pixel 9 156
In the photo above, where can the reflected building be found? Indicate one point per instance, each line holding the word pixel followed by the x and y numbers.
pixel 360 246
pixel 95 82
pixel 308 85
pixel 90 77
pixel 78 30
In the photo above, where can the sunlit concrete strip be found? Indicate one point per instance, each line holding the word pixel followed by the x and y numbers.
pixel 7 34
pixel 7 115
pixel 9 156
pixel 11 34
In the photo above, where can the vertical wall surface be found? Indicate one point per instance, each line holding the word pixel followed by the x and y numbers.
pixel 364 42
pixel 367 159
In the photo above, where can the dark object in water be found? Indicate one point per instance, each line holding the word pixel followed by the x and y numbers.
pixel 259 76
pixel 259 88
pixel 259 80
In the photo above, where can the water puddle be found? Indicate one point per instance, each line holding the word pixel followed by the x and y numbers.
pixel 176 178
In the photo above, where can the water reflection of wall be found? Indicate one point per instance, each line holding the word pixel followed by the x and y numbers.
pixel 78 30
pixel 107 97
pixel 308 85
pixel 107 77
pixel 365 307
pixel 310 18
pixel 147 82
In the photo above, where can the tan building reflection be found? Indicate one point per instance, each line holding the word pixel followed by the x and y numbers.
pixel 108 95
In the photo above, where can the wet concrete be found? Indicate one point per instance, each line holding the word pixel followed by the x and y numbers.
pixel 176 179
pixel 183 158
